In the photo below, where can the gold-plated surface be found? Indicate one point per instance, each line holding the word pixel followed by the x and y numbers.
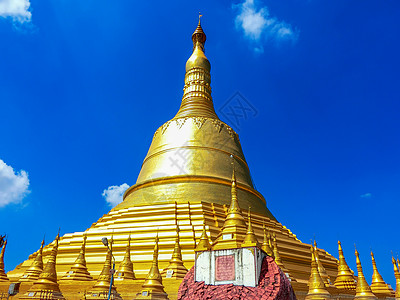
pixel 378 285
pixel 250 240
pixel 345 279
pixel 363 290
pixel 3 275
pixel 36 268
pixel 266 243
pixel 79 270
pixel 47 281
pixel 125 271
pixel 152 287
pixel 321 269
pixel 175 266
pixel 397 276
pixel 232 233
pixel 316 285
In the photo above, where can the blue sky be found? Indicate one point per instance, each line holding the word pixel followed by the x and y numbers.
pixel 84 85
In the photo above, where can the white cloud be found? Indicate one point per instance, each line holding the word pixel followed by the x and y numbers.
pixel 113 194
pixel 366 196
pixel 18 10
pixel 13 186
pixel 259 26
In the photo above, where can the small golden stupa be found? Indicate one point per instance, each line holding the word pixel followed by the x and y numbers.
pixel 46 286
pixel 36 268
pixel 397 276
pixel 363 290
pixel 316 285
pixel 378 285
pixel 345 279
pixel 153 288
pixel 250 240
pixel 79 270
pixel 125 271
pixel 176 268
pixel 321 269
pixel 266 243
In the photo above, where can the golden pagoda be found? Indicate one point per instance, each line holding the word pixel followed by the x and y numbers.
pixel 321 269
pixel 46 287
pixel 125 271
pixel 36 268
pixel 345 278
pixel 316 285
pixel 153 288
pixel 397 276
pixel 176 268
pixel 363 290
pixel 79 270
pixel 378 285
pixel 3 275
pixel 186 180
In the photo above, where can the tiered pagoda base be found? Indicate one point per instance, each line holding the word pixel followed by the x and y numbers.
pixel 143 222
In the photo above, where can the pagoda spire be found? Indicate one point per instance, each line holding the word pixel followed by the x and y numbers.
pixel 278 260
pixel 363 290
pixel 3 275
pixel 316 285
pixel 204 243
pixel 197 100
pixel 125 271
pixel 176 268
pixel 47 281
pixel 378 285
pixel 397 276
pixel 250 240
pixel 345 279
pixel 79 270
pixel 152 287
pixel 234 229
pixel 265 245
pixel 36 268
pixel 321 269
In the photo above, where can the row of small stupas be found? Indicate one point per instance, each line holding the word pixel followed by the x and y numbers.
pixel 234 234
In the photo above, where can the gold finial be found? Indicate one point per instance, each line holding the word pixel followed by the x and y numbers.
pixel 79 270
pixel 3 275
pixel 200 15
pixel 345 279
pixel 250 240
pixel 152 287
pixel 378 285
pixel 204 243
pixel 316 286
pixel 175 268
pixel 265 245
pixel 321 269
pixel 47 280
pixel 36 268
pixel 363 290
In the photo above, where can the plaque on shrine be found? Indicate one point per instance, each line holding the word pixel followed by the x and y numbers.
pixel 240 266
pixel 225 268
